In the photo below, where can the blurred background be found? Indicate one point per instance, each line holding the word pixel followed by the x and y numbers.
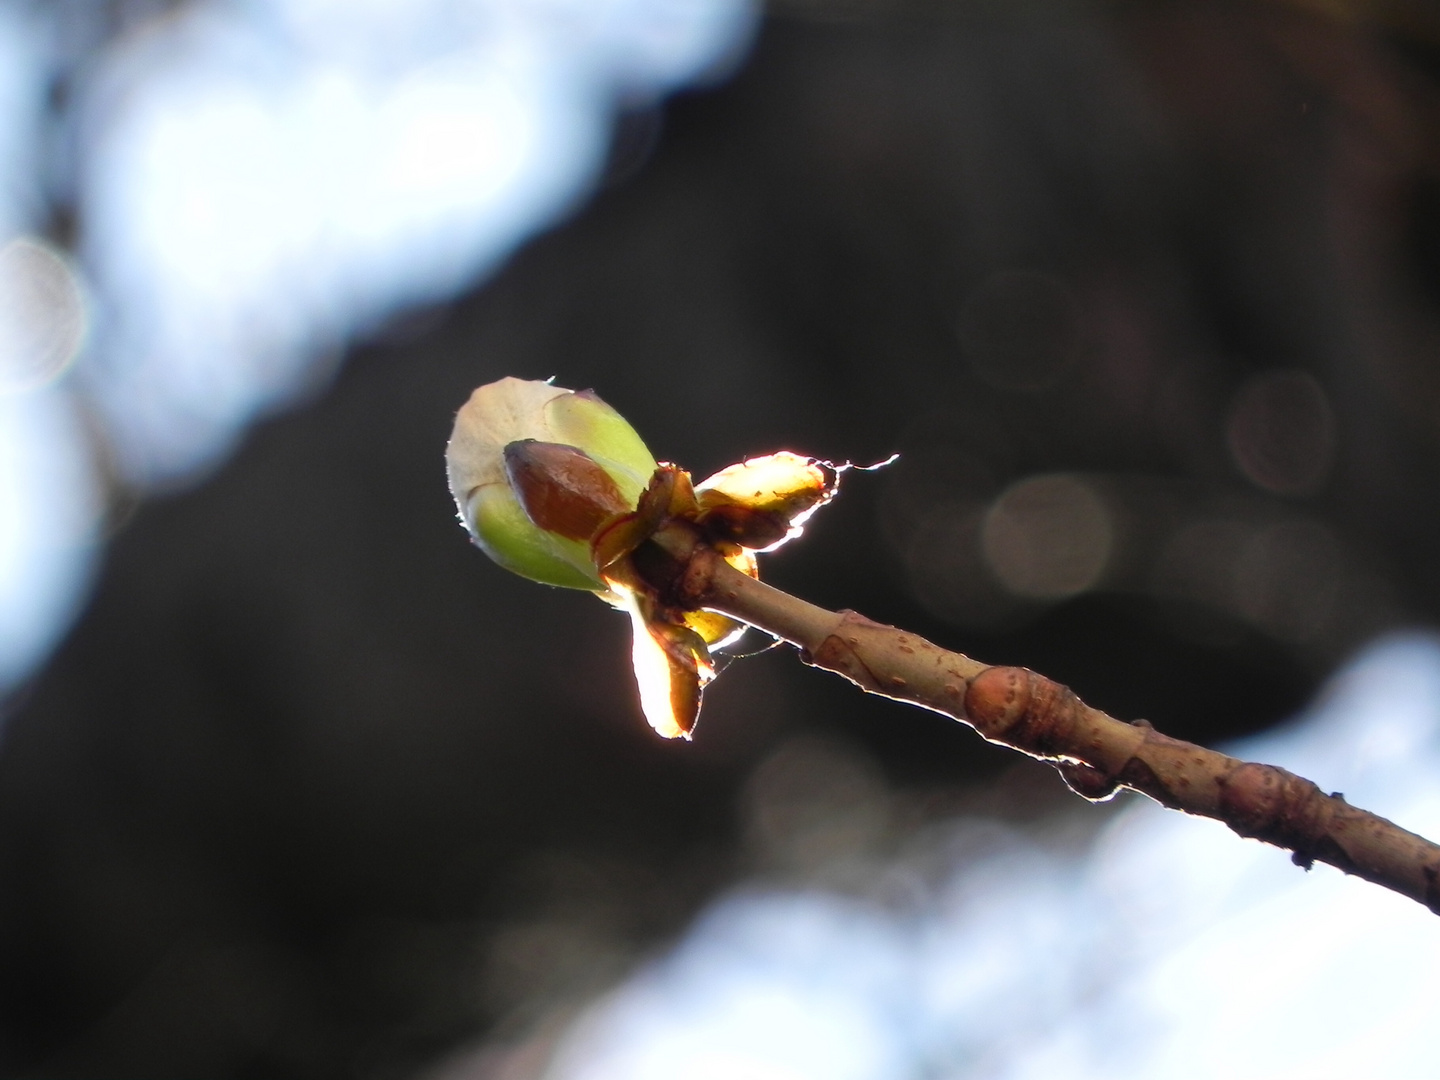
pixel 295 783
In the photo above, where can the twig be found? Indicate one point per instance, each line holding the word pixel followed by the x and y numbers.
pixel 1015 707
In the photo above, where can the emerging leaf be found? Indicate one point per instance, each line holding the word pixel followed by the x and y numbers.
pixel 765 501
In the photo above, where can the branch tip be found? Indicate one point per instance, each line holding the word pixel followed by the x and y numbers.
pixel 1095 753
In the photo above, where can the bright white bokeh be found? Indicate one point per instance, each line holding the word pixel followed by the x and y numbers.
pixel 49 501
pixel 23 69
pixel 260 181
pixel 263 180
pixel 48 492
pixel 1168 950
pixel 776 985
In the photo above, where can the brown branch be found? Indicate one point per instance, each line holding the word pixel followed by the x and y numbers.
pixel 1015 707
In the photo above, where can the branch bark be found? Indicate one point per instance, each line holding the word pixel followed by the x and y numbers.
pixel 1096 753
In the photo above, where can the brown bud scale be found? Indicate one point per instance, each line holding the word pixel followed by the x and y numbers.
pixel 561 488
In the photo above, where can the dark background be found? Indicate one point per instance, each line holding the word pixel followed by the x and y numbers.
pixel 314 790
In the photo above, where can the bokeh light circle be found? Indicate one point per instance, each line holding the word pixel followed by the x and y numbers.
pixel 42 315
pixel 1281 432
pixel 1048 537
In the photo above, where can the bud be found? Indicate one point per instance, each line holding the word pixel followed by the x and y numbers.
pixel 567 458
pixel 557 487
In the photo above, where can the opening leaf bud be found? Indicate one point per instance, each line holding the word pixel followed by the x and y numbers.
pixel 534 509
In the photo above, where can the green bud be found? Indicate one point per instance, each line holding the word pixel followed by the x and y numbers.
pixel 511 411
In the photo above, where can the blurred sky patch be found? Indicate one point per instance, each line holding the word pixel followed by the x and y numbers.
pixel 1163 949
pixel 255 182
